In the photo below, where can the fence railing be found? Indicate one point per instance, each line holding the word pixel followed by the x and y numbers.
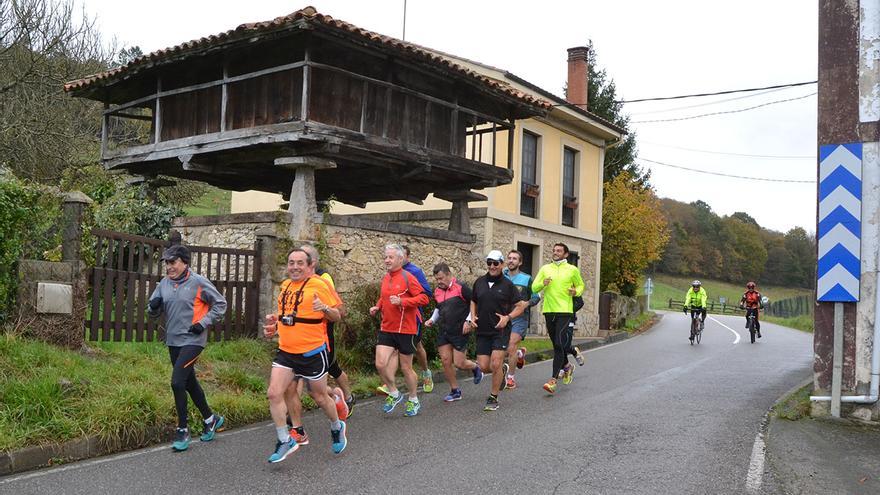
pixel 784 308
pixel 127 269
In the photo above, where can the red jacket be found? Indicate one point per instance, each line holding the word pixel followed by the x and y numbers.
pixel 403 318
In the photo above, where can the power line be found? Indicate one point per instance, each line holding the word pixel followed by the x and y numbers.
pixel 763 179
pixel 724 112
pixel 667 110
pixel 792 85
pixel 779 157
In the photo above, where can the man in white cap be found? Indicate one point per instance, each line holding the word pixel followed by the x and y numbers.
pixel 493 305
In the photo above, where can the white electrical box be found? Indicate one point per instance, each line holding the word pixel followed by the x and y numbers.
pixel 54 298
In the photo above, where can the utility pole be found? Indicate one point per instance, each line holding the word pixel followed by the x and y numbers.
pixel 404 21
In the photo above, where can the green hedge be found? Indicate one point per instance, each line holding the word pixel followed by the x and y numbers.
pixel 29 228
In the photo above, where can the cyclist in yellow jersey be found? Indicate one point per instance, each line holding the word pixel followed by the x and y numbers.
pixel 695 300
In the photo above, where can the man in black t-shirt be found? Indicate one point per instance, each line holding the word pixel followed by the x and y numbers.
pixel 493 305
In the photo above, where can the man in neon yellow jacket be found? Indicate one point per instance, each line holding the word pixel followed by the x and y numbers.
pixel 560 282
pixel 695 300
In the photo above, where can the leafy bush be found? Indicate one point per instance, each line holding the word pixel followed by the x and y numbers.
pixel 356 335
pixel 29 216
pixel 130 211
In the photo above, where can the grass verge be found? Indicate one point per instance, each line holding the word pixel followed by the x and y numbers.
pixel 803 322
pixel 640 323
pixel 795 406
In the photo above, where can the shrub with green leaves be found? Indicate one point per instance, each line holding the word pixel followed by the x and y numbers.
pixel 29 216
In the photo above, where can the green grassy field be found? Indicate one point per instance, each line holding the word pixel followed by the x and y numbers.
pixel 667 286
pixel 215 202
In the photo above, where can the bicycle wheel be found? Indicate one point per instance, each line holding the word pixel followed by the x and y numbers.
pixel 698 336
pixel 752 329
pixel 695 329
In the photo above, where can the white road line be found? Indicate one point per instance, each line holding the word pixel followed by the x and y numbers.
pixel 756 465
pixel 736 340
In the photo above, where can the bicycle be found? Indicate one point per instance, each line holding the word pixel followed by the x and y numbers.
pixel 750 315
pixel 696 324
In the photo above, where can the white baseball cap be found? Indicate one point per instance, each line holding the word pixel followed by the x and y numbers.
pixel 495 255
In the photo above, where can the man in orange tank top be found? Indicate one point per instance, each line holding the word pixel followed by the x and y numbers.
pixel 305 305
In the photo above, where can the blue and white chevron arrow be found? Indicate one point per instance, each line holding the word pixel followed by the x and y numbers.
pixel 840 222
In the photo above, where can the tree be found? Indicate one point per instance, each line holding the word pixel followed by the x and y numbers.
pixel 602 100
pixel 43 44
pixel 634 233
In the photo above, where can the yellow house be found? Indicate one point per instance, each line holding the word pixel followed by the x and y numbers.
pixel 556 194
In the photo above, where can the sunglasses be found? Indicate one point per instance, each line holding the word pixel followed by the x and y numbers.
pixel 492 263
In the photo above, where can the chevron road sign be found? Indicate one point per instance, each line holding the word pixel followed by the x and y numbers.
pixel 840 222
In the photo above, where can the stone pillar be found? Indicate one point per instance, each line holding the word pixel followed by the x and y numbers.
pixel 73 207
pixel 303 206
pixel 268 242
pixel 460 218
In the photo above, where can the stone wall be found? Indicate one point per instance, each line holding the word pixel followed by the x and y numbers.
pixel 237 231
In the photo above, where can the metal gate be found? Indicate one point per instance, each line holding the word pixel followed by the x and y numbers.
pixel 127 269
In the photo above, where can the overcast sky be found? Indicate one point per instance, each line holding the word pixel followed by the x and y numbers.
pixel 649 48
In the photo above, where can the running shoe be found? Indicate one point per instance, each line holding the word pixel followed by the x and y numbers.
pixel 341 406
pixel 505 370
pixel 520 357
pixel 382 389
pixel 212 427
pixel 391 402
pixel 759 334
pixel 181 440
pixel 578 356
pixel 491 404
pixel 412 408
pixel 350 402
pixel 340 440
pixel 427 382
pixel 550 386
pixel 453 396
pixel 301 439
pixel 567 374
pixel 478 374
pixel 511 383
pixel 283 449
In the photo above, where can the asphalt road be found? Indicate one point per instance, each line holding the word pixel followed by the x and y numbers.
pixel 650 414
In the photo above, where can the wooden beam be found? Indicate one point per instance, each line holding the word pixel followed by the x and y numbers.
pixel 307 77
pixel 157 113
pixel 416 171
pixel 295 162
pixel 460 195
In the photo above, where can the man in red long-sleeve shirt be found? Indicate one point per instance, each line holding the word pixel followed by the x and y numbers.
pixel 399 301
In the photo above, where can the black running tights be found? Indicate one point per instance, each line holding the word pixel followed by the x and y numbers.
pixel 183 381
pixel 561 335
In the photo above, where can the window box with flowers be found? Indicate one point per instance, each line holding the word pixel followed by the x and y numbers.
pixel 570 202
pixel 531 190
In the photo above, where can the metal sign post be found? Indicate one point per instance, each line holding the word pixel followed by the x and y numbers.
pixel 649 288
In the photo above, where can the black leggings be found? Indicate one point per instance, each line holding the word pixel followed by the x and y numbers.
pixel 757 322
pixel 183 381
pixel 561 335
pixel 334 370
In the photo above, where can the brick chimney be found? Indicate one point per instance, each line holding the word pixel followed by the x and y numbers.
pixel 576 93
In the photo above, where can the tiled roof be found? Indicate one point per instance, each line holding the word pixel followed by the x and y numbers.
pixel 309 14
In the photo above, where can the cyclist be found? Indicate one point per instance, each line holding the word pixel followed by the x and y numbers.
pixel 752 301
pixel 695 300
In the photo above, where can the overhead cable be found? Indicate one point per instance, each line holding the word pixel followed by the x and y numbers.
pixel 733 176
pixel 791 85
pixel 690 117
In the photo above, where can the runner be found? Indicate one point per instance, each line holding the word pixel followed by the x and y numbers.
pixel 399 300
pixel 191 303
pixel 560 282
pixel 294 392
pixel 451 316
pixel 421 354
pixel 494 304
pixel 305 304
pixel 519 327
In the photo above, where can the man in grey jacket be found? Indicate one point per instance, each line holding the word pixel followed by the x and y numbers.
pixel 191 303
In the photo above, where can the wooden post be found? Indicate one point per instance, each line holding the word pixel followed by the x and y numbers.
pixel 494 142
pixel 510 148
pixel 105 120
pixel 157 114
pixel 224 95
pixel 307 76
pixel 364 92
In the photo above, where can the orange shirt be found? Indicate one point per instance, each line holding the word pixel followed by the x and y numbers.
pixel 303 337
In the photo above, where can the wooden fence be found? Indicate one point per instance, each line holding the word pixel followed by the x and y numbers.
pixel 127 269
pixel 784 308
